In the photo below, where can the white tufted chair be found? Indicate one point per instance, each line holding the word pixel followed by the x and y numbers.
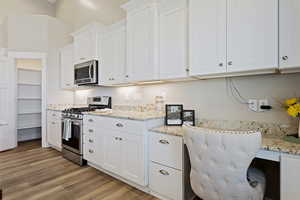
pixel 220 162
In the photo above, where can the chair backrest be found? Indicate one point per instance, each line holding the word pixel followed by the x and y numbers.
pixel 219 162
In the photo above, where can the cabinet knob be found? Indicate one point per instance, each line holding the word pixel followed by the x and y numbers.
pixel 285 58
pixel 119 125
pixel 164 172
pixel 220 64
pixel 82 58
pixel 187 69
pixel 230 63
pixel 91 130
pixel 112 79
pixel 163 141
pixel 120 139
pixel 91 141
pixel 68 84
pixel 91 120
pixel 91 151
pixel 116 138
pixel 53 123
pixel 127 76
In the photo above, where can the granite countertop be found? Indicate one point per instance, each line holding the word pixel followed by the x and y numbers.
pixel 61 107
pixel 132 115
pixel 271 143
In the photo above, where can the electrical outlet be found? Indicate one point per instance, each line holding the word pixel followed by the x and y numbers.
pixel 262 102
pixel 252 103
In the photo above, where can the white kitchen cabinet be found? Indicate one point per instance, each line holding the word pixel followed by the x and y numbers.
pixel 119 146
pixel 142 40
pixel 112 45
pixel 289 31
pixel 67 67
pixel 241 42
pixel 252 39
pixel 54 129
pixel 173 39
pixel 133 158
pixel 289 177
pixel 112 152
pixel 8 138
pixel 85 43
pixel 207 37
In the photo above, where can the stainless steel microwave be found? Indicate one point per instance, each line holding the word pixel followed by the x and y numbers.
pixel 86 73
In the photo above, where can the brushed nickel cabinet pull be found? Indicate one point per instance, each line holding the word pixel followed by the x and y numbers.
pixel 91 141
pixel 91 120
pixel 91 130
pixel 164 172
pixel 119 125
pixel 91 151
pixel 164 142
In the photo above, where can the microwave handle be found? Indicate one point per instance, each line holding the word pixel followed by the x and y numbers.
pixel 90 70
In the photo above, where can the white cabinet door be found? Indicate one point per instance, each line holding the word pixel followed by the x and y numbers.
pixel 289 31
pixel 54 129
pixel 142 44
pixel 173 39
pixel 85 43
pixel 133 158
pixel 252 35
pixel 207 33
pixel 112 152
pixel 8 138
pixel 113 55
pixel 67 67
pixel 290 177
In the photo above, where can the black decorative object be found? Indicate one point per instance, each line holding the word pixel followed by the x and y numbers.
pixel 188 117
pixel 174 115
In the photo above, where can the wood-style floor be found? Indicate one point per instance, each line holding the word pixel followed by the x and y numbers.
pixel 31 173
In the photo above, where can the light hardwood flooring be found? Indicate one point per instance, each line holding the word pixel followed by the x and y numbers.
pixel 31 173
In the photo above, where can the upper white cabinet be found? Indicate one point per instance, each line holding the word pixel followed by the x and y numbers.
pixel 142 40
pixel 85 43
pixel 252 35
pixel 249 36
pixel 112 45
pixel 207 36
pixel 289 31
pixel 173 39
pixel 67 67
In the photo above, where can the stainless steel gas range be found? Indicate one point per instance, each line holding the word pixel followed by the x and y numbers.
pixel 72 128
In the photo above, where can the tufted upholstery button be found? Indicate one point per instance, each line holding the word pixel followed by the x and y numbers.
pixel 219 160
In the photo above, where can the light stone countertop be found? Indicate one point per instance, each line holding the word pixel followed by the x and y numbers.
pixel 132 115
pixel 61 107
pixel 271 143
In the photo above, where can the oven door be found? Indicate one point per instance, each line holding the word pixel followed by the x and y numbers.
pixel 86 73
pixel 75 143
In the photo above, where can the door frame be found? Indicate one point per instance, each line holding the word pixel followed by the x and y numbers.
pixel 13 55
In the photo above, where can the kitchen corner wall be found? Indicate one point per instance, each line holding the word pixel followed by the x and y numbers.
pixel 210 98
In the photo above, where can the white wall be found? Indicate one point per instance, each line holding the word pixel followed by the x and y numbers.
pixel 81 12
pixel 21 7
pixel 210 98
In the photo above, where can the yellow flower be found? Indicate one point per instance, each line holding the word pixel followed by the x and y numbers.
pixel 294 110
pixel 292 101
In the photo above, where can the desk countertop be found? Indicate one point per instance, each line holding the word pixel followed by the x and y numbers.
pixel 270 143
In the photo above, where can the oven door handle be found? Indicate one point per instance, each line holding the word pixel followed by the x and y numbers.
pixel 90 70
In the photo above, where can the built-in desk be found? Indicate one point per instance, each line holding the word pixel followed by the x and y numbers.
pixel 273 149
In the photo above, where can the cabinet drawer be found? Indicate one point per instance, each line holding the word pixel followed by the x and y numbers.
pixel 121 125
pixel 53 116
pixel 90 121
pixel 166 150
pixel 166 181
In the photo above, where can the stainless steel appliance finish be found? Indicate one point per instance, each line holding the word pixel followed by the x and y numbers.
pixel 73 143
pixel 86 73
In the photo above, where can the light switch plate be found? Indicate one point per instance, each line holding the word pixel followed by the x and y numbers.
pixel 253 105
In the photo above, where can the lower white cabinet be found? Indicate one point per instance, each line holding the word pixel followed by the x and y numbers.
pixel 118 146
pixel 290 177
pixel 54 133
pixel 166 173
pixel 166 181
